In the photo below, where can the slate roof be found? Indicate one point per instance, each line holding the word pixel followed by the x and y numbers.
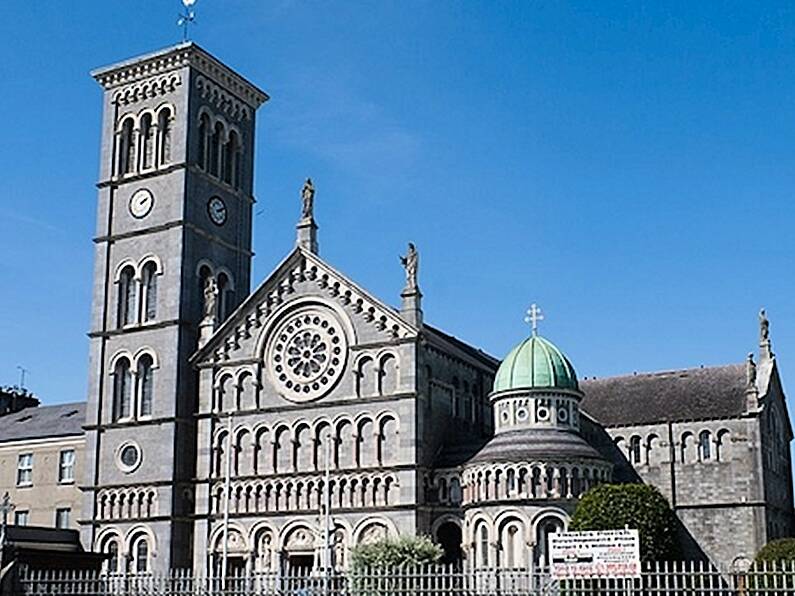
pixel 466 348
pixel 535 444
pixel 671 396
pixel 43 421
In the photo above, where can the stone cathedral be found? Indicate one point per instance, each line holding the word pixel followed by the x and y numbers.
pixel 214 411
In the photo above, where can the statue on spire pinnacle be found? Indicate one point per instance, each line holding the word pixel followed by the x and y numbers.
pixel 411 263
pixel 764 327
pixel 308 200
pixel 765 345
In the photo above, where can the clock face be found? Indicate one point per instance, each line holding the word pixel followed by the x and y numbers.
pixel 141 203
pixel 216 208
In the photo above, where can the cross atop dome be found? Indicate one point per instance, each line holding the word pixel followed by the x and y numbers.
pixel 534 315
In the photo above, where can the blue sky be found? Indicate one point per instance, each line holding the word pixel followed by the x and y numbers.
pixel 628 166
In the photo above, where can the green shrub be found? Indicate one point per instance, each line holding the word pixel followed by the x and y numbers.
pixel 394 552
pixel 637 506
pixel 777 550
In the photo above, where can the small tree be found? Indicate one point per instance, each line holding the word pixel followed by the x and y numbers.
pixel 782 549
pixel 637 506
pixel 394 552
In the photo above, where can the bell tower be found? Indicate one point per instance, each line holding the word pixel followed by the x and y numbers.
pixel 174 216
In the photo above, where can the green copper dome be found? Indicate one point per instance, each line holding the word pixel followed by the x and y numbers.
pixel 535 364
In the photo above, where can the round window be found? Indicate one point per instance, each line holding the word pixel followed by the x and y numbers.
pixel 306 355
pixel 128 457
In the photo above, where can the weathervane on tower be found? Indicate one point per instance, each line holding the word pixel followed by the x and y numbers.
pixel 533 317
pixel 186 18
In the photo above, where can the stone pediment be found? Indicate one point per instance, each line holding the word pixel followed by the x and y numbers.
pixel 300 277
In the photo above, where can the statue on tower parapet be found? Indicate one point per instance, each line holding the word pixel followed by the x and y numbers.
pixel 411 263
pixel 308 200
pixel 210 300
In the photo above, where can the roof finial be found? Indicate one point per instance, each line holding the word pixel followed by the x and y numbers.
pixel 187 18
pixel 533 317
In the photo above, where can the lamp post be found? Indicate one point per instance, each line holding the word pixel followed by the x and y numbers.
pixel 6 507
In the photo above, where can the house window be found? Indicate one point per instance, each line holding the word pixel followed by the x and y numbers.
pixel 62 518
pixel 66 466
pixel 25 470
pixel 21 518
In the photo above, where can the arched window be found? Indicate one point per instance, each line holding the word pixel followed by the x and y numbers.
pixel 150 291
pixel 483 546
pixel 164 136
pixel 127 305
pixel 225 296
pixel 634 450
pixel 230 159
pixel 111 547
pixel 204 142
pixel 545 528
pixel 126 147
pixel 512 545
pixel 704 445
pixel 215 149
pixel 122 390
pixel 140 553
pixel 145 385
pixel 147 142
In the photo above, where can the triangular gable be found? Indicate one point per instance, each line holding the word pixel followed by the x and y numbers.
pixel 771 389
pixel 300 265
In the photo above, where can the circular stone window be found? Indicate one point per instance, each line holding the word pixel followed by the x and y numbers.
pixel 128 457
pixel 306 354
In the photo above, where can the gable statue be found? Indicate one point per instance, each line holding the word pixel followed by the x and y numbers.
pixel 411 263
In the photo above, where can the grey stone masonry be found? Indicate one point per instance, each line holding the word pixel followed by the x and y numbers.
pixel 174 209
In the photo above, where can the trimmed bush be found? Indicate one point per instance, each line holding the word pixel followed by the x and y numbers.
pixel 637 506
pixel 394 552
pixel 782 549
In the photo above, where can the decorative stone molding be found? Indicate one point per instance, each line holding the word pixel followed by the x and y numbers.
pixel 221 100
pixel 304 267
pixel 531 480
pixel 147 89
pixel 348 491
pixel 174 58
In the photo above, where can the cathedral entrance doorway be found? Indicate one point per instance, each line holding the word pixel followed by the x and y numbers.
pixel 300 564
pixel 449 538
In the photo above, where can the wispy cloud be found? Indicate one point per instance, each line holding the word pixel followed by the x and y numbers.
pixel 325 116
pixel 10 216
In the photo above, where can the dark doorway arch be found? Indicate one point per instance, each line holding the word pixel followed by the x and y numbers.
pixel 449 538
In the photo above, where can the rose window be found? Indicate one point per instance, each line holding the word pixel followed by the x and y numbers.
pixel 306 355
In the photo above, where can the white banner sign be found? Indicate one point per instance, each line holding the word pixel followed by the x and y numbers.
pixel 612 553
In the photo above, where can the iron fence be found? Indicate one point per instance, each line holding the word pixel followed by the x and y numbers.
pixel 676 579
